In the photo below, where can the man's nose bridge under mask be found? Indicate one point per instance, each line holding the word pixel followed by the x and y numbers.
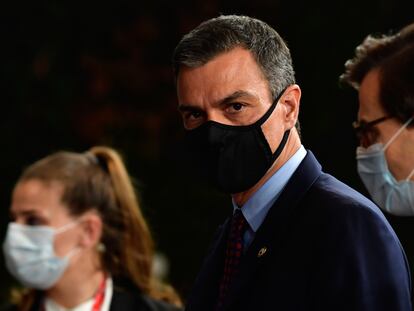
pixel 215 115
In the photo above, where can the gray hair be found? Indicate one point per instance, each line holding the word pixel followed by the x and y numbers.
pixel 224 33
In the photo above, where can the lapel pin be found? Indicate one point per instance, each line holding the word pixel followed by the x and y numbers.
pixel 261 252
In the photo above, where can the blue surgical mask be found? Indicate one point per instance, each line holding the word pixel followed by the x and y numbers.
pixel 30 255
pixel 394 197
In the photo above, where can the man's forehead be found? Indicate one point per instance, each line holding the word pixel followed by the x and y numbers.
pixel 234 71
pixel 369 97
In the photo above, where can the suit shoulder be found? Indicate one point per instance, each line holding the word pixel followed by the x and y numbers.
pixel 336 195
pixel 346 210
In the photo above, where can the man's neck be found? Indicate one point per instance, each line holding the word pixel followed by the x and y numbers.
pixel 292 146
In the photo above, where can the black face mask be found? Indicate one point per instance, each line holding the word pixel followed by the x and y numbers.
pixel 233 158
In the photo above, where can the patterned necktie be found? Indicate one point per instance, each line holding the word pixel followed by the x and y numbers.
pixel 234 252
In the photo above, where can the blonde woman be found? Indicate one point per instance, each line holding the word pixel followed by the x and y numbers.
pixel 78 240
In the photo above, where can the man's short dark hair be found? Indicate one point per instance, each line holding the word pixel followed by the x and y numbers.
pixel 393 56
pixel 226 32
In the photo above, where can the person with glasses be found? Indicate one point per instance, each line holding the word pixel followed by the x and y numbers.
pixel 383 73
pixel 296 238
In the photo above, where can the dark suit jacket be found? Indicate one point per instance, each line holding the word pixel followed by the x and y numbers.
pixel 327 248
pixel 125 297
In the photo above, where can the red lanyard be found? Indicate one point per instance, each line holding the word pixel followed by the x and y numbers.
pixel 98 298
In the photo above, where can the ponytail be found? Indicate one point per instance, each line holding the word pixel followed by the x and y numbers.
pixel 136 251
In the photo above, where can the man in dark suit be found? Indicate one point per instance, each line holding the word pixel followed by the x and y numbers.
pixel 298 238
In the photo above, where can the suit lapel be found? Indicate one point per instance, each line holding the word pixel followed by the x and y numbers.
pixel 271 233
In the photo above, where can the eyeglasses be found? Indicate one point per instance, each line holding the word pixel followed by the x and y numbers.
pixel 366 132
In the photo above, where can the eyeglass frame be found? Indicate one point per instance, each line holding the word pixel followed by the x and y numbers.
pixel 360 126
pixel 364 127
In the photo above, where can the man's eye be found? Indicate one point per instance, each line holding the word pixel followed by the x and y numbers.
pixel 235 107
pixel 192 119
pixel 191 115
pixel 195 114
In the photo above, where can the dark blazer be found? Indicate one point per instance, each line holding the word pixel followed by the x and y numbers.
pixel 322 246
pixel 125 297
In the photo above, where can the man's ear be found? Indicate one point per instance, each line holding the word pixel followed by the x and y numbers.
pixel 92 227
pixel 290 101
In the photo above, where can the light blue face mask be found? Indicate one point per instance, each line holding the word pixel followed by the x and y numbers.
pixel 394 197
pixel 30 255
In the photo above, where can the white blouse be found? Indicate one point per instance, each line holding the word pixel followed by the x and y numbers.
pixel 51 305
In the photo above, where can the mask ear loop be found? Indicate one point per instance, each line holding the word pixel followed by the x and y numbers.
pixel 402 128
pixel 411 175
pixel 267 114
pixel 66 227
pixel 412 172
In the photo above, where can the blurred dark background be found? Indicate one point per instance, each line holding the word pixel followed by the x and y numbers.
pixel 77 74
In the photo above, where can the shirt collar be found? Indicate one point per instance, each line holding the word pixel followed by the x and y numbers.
pixel 258 205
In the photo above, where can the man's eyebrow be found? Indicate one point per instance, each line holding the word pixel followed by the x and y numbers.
pixel 188 107
pixel 235 96
pixel 226 100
